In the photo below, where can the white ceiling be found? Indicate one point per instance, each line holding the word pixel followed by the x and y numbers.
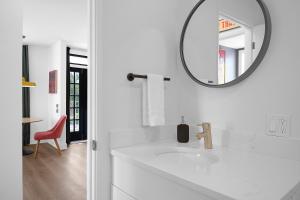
pixel 245 12
pixel 46 21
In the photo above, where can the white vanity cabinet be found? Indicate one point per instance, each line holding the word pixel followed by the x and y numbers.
pixel 166 171
pixel 134 182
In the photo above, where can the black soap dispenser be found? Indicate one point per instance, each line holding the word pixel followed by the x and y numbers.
pixel 183 134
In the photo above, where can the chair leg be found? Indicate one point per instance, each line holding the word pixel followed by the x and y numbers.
pixel 37 149
pixel 57 146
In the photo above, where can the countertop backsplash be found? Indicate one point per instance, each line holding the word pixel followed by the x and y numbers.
pixel 129 137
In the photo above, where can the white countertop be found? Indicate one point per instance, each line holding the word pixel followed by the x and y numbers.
pixel 220 173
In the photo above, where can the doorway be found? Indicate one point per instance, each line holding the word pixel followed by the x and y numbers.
pixel 76 99
pixel 55 48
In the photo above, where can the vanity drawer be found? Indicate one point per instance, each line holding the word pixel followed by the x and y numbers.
pixel 144 184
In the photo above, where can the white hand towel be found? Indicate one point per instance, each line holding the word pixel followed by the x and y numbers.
pixel 154 101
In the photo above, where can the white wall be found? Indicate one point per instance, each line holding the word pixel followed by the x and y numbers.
pixel 42 60
pixel 39 61
pixel 201 33
pixel 271 89
pixel 143 36
pixel 139 37
pixel 11 99
pixel 58 62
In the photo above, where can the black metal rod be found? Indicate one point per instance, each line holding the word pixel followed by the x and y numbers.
pixel 132 76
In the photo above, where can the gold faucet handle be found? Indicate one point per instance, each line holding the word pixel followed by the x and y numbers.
pixel 199 136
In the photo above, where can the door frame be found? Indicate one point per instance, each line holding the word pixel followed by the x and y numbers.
pixel 97 179
pixel 96 186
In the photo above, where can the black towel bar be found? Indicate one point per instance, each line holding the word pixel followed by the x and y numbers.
pixel 131 77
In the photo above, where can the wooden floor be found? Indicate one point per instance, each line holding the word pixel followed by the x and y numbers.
pixel 51 177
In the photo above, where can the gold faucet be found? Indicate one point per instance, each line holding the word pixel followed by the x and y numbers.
pixel 206 134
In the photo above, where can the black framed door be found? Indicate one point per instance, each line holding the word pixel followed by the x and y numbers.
pixel 76 101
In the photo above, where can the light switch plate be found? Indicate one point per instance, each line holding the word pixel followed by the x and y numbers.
pixel 278 125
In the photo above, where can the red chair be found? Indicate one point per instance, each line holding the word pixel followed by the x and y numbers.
pixel 54 133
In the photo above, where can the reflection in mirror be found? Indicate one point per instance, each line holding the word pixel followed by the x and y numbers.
pixel 222 39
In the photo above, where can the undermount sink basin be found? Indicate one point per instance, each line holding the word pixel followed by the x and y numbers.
pixel 188 154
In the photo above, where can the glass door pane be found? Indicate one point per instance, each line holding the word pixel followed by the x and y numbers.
pixel 74 104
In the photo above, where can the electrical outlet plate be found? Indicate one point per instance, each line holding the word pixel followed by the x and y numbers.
pixel 278 125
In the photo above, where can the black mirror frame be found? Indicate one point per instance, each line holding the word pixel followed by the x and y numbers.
pixel 255 64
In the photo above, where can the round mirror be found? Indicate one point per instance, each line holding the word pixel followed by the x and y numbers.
pixel 224 41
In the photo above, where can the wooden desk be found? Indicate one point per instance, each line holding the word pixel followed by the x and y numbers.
pixel 29 120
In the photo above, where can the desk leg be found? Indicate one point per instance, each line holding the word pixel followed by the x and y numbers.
pixel 26 139
pixel 27 151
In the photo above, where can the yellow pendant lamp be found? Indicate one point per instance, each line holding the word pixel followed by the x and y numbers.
pixel 27 83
